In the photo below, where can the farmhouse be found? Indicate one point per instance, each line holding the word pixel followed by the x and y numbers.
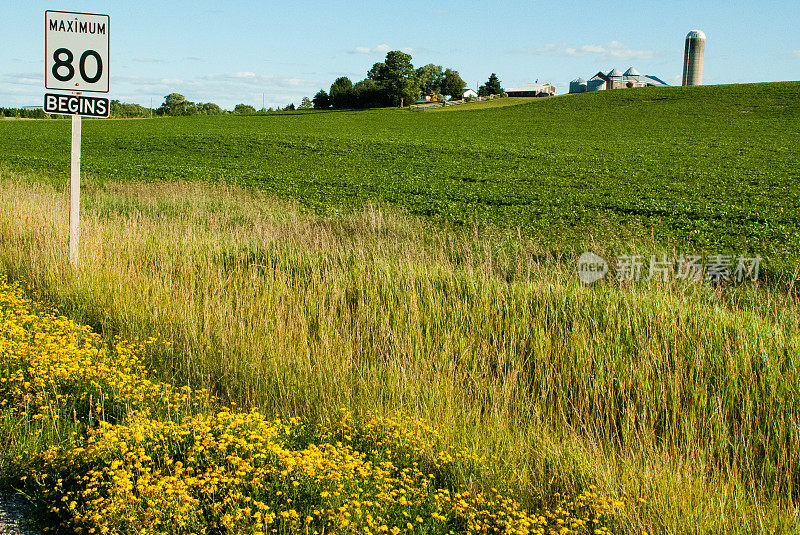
pixel 532 90
pixel 470 93
pixel 614 79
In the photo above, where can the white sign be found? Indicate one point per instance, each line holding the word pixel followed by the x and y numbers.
pixel 76 51
pixel 83 105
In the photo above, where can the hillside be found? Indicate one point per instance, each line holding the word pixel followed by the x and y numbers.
pixel 485 104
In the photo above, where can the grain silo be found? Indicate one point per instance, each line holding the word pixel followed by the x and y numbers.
pixel 693 58
pixel 595 84
pixel 577 86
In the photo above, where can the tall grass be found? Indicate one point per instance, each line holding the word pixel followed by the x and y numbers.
pixel 685 396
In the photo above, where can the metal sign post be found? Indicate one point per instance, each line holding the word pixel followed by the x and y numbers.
pixel 76 53
pixel 74 189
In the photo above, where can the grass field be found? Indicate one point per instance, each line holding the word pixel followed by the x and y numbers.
pixel 709 168
pixel 486 104
pixel 300 273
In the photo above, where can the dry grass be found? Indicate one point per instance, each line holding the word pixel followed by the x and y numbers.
pixel 684 396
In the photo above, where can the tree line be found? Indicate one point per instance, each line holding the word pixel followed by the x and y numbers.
pixel 395 82
pixel 176 104
pixel 118 109
pixel 392 82
pixel 24 113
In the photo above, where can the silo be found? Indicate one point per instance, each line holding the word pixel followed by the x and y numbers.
pixel 693 58
pixel 577 86
pixel 595 84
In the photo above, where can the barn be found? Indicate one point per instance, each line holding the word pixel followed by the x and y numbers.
pixel 532 90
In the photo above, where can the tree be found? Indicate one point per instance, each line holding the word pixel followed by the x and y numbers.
pixel 123 109
pixel 321 100
pixel 244 109
pixel 430 78
pixel 452 84
pixel 208 108
pixel 305 104
pixel 289 107
pixel 368 94
pixel 176 104
pixel 341 94
pixel 491 87
pixel 397 77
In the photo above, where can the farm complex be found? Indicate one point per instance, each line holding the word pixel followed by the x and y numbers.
pixel 615 79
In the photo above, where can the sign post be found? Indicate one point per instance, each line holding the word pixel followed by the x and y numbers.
pixel 76 53
pixel 74 189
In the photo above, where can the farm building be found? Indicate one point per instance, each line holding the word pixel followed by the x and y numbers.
pixel 532 90
pixel 469 93
pixel 614 79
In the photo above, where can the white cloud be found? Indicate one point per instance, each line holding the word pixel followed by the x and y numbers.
pixel 21 78
pixel 380 49
pixel 20 90
pixel 614 50
pixel 148 60
pixel 584 50
pixel 249 78
pixel 796 53
pixel 617 50
pixel 226 89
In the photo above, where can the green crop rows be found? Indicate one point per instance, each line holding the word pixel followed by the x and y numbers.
pixel 715 168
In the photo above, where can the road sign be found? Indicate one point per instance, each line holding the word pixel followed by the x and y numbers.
pixel 76 51
pixel 76 105
pixel 76 54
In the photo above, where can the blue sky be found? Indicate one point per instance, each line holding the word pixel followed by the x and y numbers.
pixel 243 51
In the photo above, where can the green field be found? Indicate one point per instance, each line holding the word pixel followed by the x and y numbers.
pixel 700 167
pixel 487 104
pixel 422 261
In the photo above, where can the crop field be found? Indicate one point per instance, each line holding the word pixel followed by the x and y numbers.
pixel 350 289
pixel 701 167
pixel 487 104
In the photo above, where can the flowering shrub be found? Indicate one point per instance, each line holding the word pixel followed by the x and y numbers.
pixel 145 457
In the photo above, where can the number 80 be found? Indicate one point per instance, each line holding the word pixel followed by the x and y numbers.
pixel 67 63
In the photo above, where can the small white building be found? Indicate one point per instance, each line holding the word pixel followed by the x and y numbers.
pixel 532 90
pixel 470 93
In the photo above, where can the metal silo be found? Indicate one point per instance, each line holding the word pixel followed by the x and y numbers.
pixel 693 58
pixel 595 84
pixel 577 86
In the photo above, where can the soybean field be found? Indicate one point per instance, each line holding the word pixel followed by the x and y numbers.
pixel 711 168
